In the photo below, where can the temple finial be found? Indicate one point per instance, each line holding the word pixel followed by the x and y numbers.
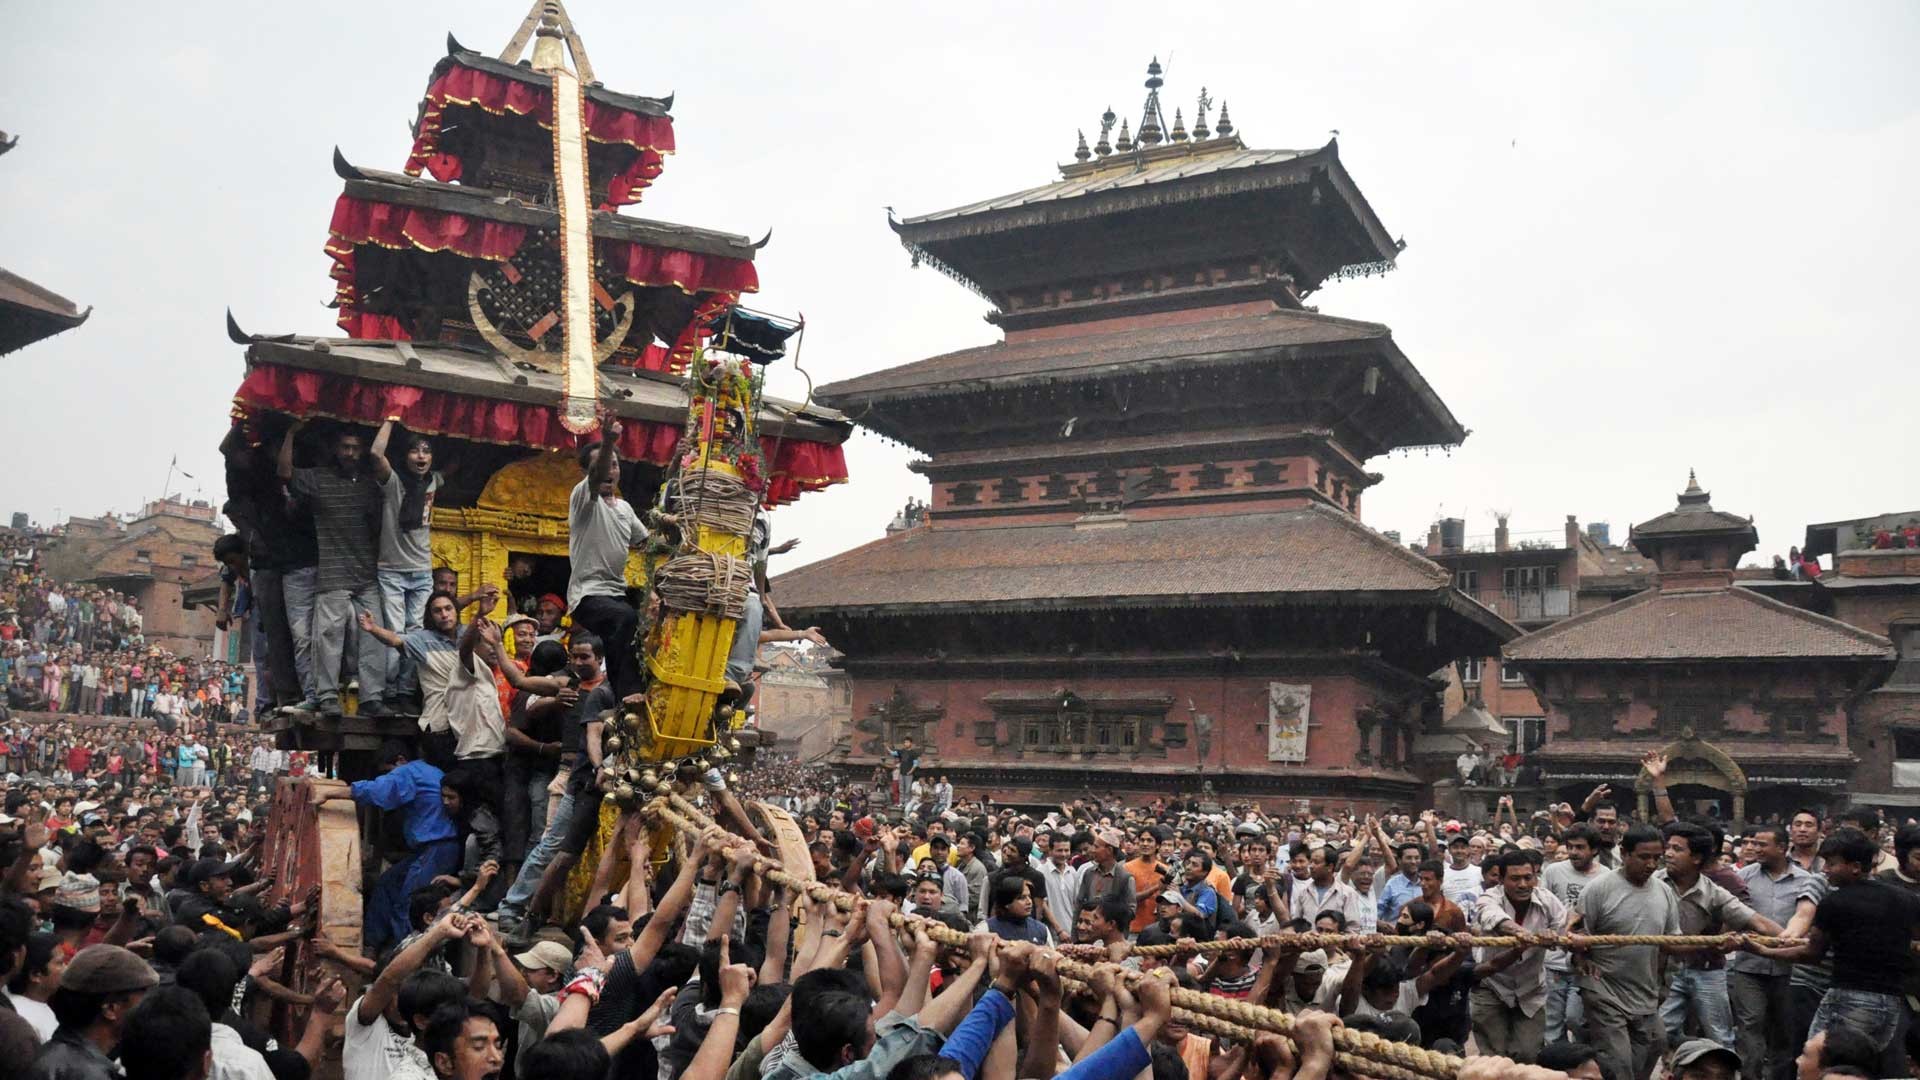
pixel 1081 153
pixel 1103 147
pixel 1125 142
pixel 1152 124
pixel 549 20
pixel 1693 482
pixel 1225 127
pixel 1200 115
pixel 1179 132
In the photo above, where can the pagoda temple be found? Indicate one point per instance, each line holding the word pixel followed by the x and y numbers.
pixel 1752 699
pixel 1143 568
pixel 493 295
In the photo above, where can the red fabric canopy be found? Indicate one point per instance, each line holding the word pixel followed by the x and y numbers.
pixel 363 221
pixel 801 465
pixel 651 135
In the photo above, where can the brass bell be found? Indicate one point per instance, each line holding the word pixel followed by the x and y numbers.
pixel 733 745
pixel 733 778
pixel 624 791
pixel 719 753
pixel 649 779
pixel 632 718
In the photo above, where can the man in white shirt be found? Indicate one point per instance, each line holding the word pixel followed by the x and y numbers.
pixel 376 1048
pixel 1461 882
pixel 1063 884
pixel 1509 999
pixel 1324 891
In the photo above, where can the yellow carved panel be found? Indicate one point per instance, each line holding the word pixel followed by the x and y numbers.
pixel 537 485
pixel 522 508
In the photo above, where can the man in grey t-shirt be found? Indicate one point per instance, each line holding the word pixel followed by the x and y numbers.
pixel 406 555
pixel 601 529
pixel 1619 984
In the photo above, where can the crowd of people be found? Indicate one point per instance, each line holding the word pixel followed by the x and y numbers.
pixel 79 649
pixel 142 936
pixel 131 896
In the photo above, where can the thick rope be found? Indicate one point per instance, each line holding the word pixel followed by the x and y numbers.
pixel 1228 1030
pixel 1413 1059
pixel 705 582
pixel 718 501
pixel 1530 940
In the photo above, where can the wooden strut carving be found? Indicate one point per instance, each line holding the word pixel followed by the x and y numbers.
pixel 313 838
pixel 1365 1051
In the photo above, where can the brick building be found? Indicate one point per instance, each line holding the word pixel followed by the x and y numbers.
pixel 802 700
pixel 155 558
pixel 1142 568
pixel 1757 701
pixel 1876 589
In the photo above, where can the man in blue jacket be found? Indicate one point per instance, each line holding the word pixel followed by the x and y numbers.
pixel 433 842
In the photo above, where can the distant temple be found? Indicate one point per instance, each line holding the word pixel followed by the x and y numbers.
pixel 1143 562
pixel 1752 698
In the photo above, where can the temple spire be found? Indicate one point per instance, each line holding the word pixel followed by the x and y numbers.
pixel 1225 127
pixel 1081 153
pixel 549 19
pixel 1694 498
pixel 1104 147
pixel 1125 142
pixel 1179 132
pixel 1200 115
pixel 1152 122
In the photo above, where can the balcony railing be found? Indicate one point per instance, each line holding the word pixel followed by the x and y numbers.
pixel 1530 605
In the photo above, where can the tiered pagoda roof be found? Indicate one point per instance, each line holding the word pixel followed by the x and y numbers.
pixel 448 277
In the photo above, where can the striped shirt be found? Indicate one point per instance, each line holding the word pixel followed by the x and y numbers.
pixel 346 525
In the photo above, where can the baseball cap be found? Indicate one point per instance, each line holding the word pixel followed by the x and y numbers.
pixel 546 954
pixel 1311 960
pixel 1171 896
pixel 1694 1049
pixel 206 869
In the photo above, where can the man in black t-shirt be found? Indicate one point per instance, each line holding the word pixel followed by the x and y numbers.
pixel 1867 927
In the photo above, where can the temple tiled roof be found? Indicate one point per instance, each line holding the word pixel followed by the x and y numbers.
pixel 1188 343
pixel 1250 558
pixel 29 312
pixel 1692 521
pixel 1707 624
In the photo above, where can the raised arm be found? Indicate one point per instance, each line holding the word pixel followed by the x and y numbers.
pixel 1655 763
pixel 377 453
pixel 716 1052
pixel 646 945
pixel 283 461
pixel 603 455
pixel 384 988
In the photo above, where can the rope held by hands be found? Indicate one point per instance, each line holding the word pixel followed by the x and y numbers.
pixel 1367 1051
pixel 1290 940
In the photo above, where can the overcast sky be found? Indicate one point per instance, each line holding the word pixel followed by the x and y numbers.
pixel 1641 237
